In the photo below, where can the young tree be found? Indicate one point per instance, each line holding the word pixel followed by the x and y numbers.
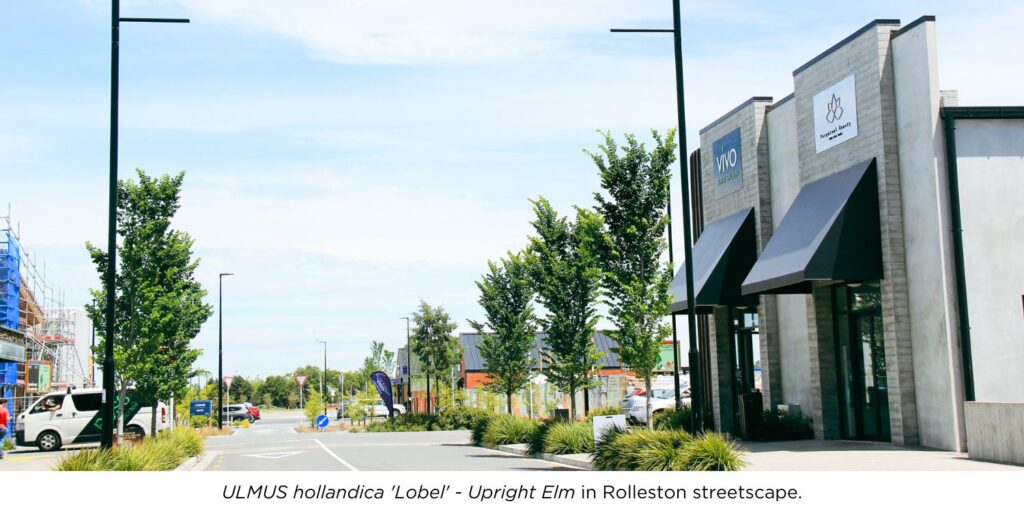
pixel 636 279
pixel 434 342
pixel 159 304
pixel 506 295
pixel 567 279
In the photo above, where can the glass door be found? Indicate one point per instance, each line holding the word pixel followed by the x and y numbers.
pixel 860 358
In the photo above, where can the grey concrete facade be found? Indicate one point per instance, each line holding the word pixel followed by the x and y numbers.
pixel 899 124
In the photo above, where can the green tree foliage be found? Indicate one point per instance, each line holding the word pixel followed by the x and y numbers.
pixel 313 407
pixel 506 294
pixel 159 304
pixel 636 188
pixel 567 277
pixel 278 388
pixel 434 342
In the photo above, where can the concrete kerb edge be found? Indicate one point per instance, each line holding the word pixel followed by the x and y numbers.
pixel 523 451
pixel 198 463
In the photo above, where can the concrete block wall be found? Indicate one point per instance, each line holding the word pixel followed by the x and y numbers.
pixel 755 192
pixel 867 55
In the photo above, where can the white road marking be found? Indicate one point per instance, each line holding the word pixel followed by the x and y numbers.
pixel 274 455
pixel 332 454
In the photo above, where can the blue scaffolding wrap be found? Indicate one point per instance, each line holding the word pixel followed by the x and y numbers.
pixel 10 282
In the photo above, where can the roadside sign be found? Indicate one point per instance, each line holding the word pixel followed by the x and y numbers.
pixel 301 380
pixel 227 381
pixel 603 423
pixel 322 421
pixel 405 370
pixel 200 407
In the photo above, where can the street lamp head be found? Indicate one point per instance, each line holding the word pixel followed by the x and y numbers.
pixel 222 274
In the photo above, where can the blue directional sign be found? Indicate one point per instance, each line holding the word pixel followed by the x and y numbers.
pixel 322 421
pixel 405 370
pixel 200 407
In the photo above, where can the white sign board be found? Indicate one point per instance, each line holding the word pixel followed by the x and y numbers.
pixel 603 423
pixel 835 114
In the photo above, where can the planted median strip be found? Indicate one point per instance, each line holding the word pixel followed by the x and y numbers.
pixel 164 452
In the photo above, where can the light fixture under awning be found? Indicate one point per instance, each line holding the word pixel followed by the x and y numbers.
pixel 722 256
pixel 830 233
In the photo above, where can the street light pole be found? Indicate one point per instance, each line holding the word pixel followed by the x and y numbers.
pixel 107 415
pixel 323 378
pixel 220 348
pixel 408 364
pixel 691 316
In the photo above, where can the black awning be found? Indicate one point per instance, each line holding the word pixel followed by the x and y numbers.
pixel 830 233
pixel 722 256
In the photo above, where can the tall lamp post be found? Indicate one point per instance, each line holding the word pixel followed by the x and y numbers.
pixel 220 348
pixel 408 364
pixel 691 317
pixel 107 417
pixel 323 378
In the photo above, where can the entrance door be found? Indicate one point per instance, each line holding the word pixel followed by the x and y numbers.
pixel 860 358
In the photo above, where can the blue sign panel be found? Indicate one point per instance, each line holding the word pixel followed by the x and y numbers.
pixel 322 421
pixel 405 370
pixel 200 407
pixel 727 161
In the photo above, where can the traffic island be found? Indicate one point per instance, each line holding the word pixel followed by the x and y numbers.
pixel 576 460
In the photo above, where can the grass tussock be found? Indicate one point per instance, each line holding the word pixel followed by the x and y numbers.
pixel 163 453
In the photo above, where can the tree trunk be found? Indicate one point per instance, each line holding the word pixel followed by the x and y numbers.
pixel 572 403
pixel 428 391
pixel 152 421
pixel 120 413
pixel 508 398
pixel 647 398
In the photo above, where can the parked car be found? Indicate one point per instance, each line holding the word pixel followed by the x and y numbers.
pixel 376 409
pixel 661 400
pixel 255 411
pixel 237 412
pixel 74 417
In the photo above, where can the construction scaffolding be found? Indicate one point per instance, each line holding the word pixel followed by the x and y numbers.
pixel 37 329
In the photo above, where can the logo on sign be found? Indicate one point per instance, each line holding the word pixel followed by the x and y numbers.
pixel 831 124
pixel 300 380
pixel 727 158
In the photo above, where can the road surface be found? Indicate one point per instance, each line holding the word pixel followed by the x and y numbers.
pixel 273 445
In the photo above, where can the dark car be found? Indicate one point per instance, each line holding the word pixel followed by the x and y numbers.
pixel 233 413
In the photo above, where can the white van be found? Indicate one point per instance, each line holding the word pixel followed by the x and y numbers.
pixel 74 417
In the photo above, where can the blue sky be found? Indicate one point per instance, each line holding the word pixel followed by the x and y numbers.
pixel 347 158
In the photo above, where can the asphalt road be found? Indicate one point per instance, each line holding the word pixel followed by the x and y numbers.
pixel 272 445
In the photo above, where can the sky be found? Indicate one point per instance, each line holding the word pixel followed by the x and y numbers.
pixel 347 159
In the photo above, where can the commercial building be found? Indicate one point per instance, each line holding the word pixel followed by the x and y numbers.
pixel 865 234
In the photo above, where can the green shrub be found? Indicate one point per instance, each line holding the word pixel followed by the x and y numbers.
pixel 164 452
pixel 201 421
pixel 674 419
pixel 711 452
pixel 603 411
pixel 618 449
pixel 780 426
pixel 8 444
pixel 565 437
pixel 480 426
pixel 506 429
pixel 665 451
pixel 459 418
pixel 536 441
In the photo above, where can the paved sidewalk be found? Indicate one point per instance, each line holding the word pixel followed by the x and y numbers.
pixel 815 455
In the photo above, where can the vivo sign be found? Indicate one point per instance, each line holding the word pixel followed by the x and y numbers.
pixel 728 161
pixel 835 114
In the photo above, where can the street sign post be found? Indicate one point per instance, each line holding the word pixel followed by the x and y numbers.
pixel 322 421
pixel 200 407
pixel 301 381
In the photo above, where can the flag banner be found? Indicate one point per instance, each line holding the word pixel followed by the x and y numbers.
pixel 383 385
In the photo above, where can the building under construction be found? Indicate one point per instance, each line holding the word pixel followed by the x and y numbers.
pixel 37 330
